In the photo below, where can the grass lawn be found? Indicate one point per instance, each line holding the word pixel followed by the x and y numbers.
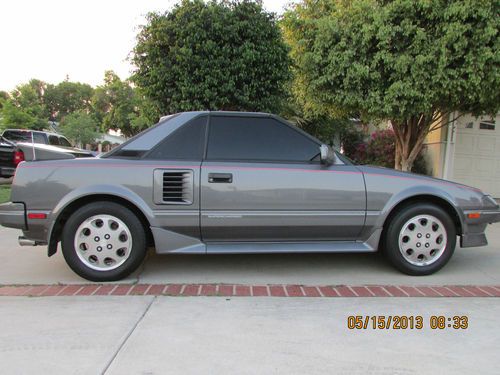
pixel 4 193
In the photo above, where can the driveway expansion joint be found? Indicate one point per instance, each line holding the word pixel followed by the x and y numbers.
pixel 245 290
pixel 127 336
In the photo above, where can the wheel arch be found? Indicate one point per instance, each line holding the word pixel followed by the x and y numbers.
pixel 437 200
pixel 70 204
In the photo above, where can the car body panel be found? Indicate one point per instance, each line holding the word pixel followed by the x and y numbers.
pixel 265 207
pixel 265 201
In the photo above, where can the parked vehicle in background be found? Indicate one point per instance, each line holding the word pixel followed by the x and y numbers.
pixel 10 157
pixel 234 182
pixel 22 143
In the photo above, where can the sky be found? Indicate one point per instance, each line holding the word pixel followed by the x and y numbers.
pixel 80 39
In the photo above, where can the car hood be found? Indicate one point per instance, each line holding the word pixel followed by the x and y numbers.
pixel 413 176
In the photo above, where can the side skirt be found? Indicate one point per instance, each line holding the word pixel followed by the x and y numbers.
pixel 167 242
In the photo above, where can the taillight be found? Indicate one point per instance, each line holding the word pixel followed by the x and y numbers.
pixel 18 157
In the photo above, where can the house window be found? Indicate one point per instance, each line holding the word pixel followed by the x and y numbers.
pixel 487 125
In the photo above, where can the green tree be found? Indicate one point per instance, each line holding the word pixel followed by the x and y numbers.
pixel 14 117
pixel 119 106
pixel 215 55
pixel 67 97
pixel 27 108
pixel 4 95
pixel 417 63
pixel 80 127
pixel 24 107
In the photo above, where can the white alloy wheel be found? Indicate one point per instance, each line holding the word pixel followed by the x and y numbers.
pixel 422 240
pixel 103 242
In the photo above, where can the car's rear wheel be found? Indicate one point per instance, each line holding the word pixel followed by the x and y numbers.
pixel 103 241
pixel 419 239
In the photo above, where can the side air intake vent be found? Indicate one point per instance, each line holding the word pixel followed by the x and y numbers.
pixel 173 186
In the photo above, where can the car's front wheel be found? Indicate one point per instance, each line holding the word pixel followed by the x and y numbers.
pixel 103 241
pixel 420 239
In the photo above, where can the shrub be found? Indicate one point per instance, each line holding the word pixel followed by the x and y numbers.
pixel 380 150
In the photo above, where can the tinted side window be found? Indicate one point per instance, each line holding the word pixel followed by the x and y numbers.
pixel 186 143
pixel 39 138
pixel 53 140
pixel 266 139
pixel 64 142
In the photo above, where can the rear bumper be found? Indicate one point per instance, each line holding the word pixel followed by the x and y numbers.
pixel 474 231
pixel 7 171
pixel 13 215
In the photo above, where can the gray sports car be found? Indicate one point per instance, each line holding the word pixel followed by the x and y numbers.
pixel 231 182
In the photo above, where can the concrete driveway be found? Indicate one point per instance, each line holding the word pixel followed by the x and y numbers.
pixel 142 334
pixel 471 266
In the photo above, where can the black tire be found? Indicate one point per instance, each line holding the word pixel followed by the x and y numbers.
pixel 137 251
pixel 390 241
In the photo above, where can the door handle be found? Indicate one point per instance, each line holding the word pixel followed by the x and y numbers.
pixel 220 178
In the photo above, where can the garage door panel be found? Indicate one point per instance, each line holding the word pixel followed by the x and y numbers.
pixel 463 163
pixel 485 145
pixel 465 144
pixel 476 160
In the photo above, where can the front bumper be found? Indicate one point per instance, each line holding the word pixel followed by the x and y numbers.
pixel 13 215
pixel 476 222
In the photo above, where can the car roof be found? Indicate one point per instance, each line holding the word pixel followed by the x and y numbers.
pixel 227 113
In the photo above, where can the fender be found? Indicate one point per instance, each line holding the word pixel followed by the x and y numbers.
pixel 101 189
pixel 415 191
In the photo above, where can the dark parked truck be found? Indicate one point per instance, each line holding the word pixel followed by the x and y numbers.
pixel 10 157
pixel 18 145
pixel 232 182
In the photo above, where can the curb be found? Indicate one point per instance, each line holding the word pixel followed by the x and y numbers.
pixel 237 290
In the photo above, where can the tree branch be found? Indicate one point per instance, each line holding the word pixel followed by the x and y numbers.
pixel 445 123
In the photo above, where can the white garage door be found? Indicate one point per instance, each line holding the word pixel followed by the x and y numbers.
pixel 477 153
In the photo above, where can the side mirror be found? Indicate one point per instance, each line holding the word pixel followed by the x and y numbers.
pixel 327 155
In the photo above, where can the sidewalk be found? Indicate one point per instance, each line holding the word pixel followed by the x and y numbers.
pixel 223 335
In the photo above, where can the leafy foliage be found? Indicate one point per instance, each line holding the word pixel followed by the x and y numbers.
pixel 216 55
pixel 33 104
pixel 80 127
pixel 25 106
pixel 413 62
pixel 119 106
pixel 15 117
pixel 379 150
pixel 4 95
pixel 67 97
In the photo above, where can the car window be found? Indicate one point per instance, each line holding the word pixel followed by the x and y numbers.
pixel 54 140
pixel 186 143
pixel 64 142
pixel 23 136
pixel 258 139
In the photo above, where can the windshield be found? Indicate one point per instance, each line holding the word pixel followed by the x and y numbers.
pixel 344 158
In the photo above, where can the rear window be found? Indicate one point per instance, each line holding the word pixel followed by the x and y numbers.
pixel 23 136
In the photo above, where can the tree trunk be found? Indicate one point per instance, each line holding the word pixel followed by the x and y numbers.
pixel 409 139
